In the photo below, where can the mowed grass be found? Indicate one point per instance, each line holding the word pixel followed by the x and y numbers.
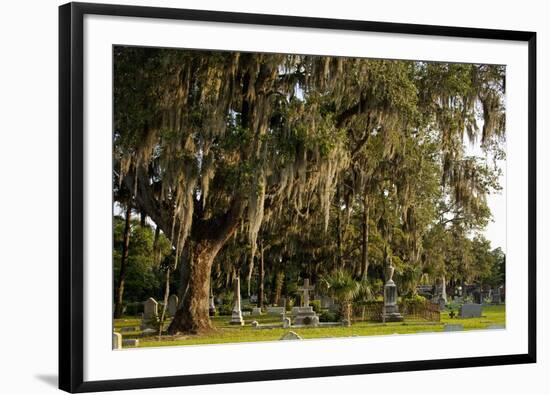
pixel 225 333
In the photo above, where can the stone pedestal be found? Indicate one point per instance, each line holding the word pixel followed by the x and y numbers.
pixel 391 311
pixel 305 316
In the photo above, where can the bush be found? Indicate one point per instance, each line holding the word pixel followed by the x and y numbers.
pixel 316 304
pixel 414 300
pixel 290 303
pixel 225 309
pixel 329 316
pixel 133 309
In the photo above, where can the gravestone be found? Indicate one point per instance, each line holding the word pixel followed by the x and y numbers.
pixel 470 310
pixel 275 310
pixel 453 327
pixel 236 314
pixel 254 324
pixel 286 322
pixel 304 315
pixel 130 342
pixel 391 311
pixel 172 304
pixel 117 341
pixel 150 309
pixel 150 313
pixel 291 336
pixel 256 311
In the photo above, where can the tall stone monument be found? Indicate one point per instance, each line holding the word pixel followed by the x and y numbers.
pixel 304 315
pixel 237 315
pixel 391 311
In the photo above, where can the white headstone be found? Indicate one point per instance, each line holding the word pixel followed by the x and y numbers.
pixel 117 341
pixel 150 309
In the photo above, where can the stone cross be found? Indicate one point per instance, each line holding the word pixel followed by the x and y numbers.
pixel 305 289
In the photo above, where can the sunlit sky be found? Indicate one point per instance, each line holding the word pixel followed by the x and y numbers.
pixel 496 229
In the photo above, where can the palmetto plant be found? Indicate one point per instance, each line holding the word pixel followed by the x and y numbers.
pixel 344 288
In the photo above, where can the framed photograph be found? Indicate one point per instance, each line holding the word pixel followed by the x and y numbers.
pixel 250 197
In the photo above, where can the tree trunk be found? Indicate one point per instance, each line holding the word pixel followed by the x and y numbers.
pixel 365 237
pixel 208 236
pixel 261 274
pixel 340 264
pixel 279 279
pixel 192 316
pixel 165 301
pixel 123 263
pixel 186 263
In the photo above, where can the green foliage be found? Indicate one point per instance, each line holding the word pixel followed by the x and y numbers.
pixel 329 316
pixel 143 278
pixel 341 286
pixel 316 304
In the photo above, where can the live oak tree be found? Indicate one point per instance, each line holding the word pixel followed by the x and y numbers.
pixel 215 146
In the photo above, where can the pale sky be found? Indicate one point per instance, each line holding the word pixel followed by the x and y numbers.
pixel 496 229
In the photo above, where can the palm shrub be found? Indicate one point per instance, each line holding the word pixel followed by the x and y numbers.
pixel 344 288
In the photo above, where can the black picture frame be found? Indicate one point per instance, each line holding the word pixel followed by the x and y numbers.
pixel 71 196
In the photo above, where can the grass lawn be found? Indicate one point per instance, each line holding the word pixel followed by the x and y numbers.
pixel 225 333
